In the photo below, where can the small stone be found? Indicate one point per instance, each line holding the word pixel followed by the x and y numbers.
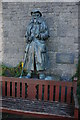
pixel 49 78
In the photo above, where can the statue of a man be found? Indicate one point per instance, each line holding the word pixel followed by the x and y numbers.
pixel 36 34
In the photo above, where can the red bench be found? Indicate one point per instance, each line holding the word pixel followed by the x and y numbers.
pixel 39 98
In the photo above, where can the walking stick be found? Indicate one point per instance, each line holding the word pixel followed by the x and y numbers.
pixel 25 57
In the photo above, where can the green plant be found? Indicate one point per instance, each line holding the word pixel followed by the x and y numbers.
pixel 77 74
pixel 78 93
pixel 78 70
pixel 78 83
pixel 12 71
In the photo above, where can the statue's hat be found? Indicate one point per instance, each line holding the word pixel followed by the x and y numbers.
pixel 36 11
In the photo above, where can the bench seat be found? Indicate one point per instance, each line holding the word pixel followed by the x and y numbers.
pixel 37 107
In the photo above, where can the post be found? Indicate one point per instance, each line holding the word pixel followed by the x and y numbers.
pixel 76 110
pixel 76 114
pixel 75 98
pixel 74 85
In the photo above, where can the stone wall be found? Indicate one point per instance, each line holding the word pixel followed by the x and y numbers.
pixel 79 26
pixel 62 46
pixel 1 33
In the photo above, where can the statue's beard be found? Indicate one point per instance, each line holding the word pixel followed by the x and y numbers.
pixel 35 20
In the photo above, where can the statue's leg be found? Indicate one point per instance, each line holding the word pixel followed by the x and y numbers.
pixel 40 69
pixel 41 74
pixel 29 74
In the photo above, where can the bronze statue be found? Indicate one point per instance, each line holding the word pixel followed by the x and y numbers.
pixel 35 52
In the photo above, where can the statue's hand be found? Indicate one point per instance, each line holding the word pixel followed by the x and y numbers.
pixel 38 36
pixel 30 39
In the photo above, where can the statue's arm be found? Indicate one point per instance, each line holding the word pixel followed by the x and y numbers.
pixel 45 34
pixel 28 35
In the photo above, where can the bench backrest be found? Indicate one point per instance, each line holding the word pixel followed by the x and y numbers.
pixel 48 90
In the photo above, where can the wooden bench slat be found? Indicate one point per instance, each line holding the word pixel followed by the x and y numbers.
pixel 57 93
pixel 18 89
pixel 13 89
pixel 8 88
pixel 40 92
pixel 51 93
pixel 62 94
pixel 0 89
pixel 31 90
pixel 45 92
pixel 3 88
pixel 23 90
pixel 68 94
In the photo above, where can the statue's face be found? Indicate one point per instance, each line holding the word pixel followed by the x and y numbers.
pixel 35 15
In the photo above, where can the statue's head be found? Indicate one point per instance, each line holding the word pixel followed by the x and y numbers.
pixel 36 13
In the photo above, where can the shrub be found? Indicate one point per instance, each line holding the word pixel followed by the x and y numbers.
pixel 78 83
pixel 12 71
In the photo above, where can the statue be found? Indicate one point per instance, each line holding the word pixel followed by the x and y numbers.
pixel 35 52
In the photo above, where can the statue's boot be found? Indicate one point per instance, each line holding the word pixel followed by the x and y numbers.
pixel 41 76
pixel 28 75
